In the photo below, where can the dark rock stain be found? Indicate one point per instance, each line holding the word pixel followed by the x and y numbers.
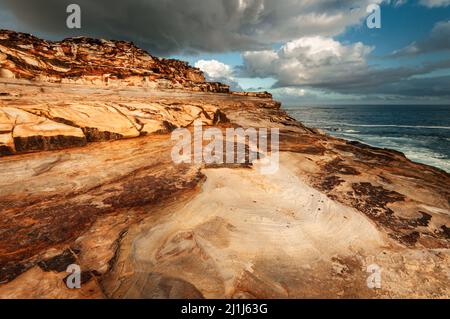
pixel 47 143
pixel 337 166
pixel 95 135
pixel 58 263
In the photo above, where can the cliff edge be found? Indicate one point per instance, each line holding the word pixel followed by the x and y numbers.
pixel 87 178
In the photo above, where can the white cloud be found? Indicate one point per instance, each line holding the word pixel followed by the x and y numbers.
pixel 308 61
pixel 398 3
pixel 290 91
pixel 426 3
pixel 324 64
pixel 435 3
pixel 216 71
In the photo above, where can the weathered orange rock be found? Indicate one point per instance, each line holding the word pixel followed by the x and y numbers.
pixel 140 226
pixel 83 60
pixel 58 117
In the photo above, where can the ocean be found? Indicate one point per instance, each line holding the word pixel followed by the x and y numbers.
pixel 421 132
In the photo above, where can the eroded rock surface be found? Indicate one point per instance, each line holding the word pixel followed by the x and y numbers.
pixel 49 117
pixel 87 178
pixel 97 62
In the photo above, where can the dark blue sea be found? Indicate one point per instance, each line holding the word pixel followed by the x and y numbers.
pixel 421 132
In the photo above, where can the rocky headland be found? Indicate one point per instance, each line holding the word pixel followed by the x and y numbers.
pixel 87 178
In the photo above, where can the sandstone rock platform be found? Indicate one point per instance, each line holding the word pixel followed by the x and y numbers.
pixel 87 178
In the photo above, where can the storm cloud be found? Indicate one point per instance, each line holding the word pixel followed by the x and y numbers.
pixel 438 40
pixel 184 26
pixel 295 43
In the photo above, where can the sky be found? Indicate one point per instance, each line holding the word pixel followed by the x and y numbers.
pixel 302 51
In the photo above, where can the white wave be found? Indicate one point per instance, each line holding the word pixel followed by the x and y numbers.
pixel 429 158
pixel 417 152
pixel 351 131
pixel 399 126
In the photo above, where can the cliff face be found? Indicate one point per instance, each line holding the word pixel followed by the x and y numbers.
pixel 90 64
pixel 98 188
pixel 46 117
pixel 90 61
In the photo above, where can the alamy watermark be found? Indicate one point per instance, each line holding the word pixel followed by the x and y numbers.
pixel 374 279
pixel 73 21
pixel 236 146
pixel 73 281
pixel 373 21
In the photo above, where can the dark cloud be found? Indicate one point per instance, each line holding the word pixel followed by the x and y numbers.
pixel 398 80
pixel 310 57
pixel 180 26
pixel 437 87
pixel 438 40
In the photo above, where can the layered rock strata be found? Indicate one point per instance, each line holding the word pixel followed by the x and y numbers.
pixel 97 62
pixel 89 180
